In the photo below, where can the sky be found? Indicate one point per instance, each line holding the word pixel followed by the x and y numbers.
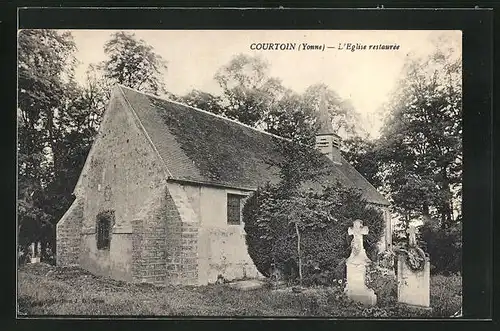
pixel 366 77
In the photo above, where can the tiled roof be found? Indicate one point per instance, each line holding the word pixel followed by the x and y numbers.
pixel 198 146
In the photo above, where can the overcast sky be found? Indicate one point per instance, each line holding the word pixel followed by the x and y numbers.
pixel 366 77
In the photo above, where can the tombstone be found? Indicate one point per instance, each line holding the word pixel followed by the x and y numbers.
pixel 35 252
pixel 356 288
pixel 413 274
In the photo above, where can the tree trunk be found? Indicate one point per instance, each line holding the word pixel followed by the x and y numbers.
pixel 446 210
pixel 51 139
pixel 43 250
pixel 299 253
pixel 407 218
pixel 425 209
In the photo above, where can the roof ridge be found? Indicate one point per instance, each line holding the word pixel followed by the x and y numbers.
pixel 204 111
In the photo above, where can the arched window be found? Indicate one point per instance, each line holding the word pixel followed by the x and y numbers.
pixel 105 221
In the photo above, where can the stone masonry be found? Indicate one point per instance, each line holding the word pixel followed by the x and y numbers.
pixel 182 238
pixel 150 243
pixel 148 251
pixel 68 232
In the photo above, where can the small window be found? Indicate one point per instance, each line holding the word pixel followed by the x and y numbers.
pixel 104 224
pixel 233 209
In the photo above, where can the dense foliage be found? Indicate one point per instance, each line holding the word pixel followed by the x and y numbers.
pixel 203 100
pixel 248 91
pixel 364 156
pixel 444 246
pixel 303 232
pixel 421 142
pixel 133 63
pixel 251 96
pixel 419 153
pixel 47 126
pixel 322 218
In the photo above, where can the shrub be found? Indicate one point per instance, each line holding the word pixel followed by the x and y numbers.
pixel 23 254
pixel 271 216
pixel 444 247
pixel 383 283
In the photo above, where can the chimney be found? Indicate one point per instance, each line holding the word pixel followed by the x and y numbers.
pixel 327 142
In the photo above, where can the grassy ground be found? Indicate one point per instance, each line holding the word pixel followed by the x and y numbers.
pixel 49 290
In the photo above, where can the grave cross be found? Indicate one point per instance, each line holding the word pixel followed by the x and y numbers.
pixel 412 241
pixel 357 231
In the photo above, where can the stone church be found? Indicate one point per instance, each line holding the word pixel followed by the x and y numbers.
pixel 160 196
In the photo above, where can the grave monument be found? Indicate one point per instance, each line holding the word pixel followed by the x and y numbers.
pixel 356 288
pixel 413 273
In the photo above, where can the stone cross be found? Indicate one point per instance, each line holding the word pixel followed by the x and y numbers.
pixel 357 231
pixel 412 241
pixel 356 288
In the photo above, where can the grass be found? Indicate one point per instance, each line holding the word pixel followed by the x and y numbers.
pixel 49 290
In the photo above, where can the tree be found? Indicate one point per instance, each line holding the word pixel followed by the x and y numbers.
pixel 204 101
pixel 290 117
pixel 248 91
pixel 57 120
pixel 421 142
pixel 301 231
pixel 45 69
pixel 133 63
pixel 444 246
pixel 45 64
pixel 252 97
pixel 364 156
pixel 304 234
pixel 323 100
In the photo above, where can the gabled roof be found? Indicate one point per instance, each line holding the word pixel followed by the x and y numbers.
pixel 198 146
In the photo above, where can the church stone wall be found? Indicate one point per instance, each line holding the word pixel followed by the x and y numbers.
pixel 149 248
pixel 221 247
pixel 122 175
pixel 68 234
pixel 164 241
pixel 182 237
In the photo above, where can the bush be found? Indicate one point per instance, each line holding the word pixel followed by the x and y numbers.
pixel 383 283
pixel 444 247
pixel 270 215
pixel 23 255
